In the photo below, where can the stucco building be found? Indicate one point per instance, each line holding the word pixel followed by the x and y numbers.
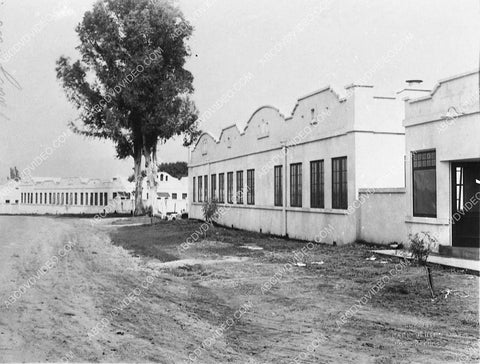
pixel 303 172
pixel 443 164
pixel 374 167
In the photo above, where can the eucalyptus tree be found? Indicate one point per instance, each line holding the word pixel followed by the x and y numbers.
pixel 130 83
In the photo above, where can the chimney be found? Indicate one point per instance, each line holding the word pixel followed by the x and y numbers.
pixel 412 90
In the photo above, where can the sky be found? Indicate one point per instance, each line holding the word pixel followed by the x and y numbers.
pixel 248 53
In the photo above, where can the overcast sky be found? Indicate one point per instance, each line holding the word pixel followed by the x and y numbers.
pixel 233 39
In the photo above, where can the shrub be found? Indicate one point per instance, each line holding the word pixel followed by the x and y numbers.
pixel 210 211
pixel 421 245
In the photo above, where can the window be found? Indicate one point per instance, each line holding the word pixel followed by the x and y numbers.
pixel 278 192
pixel 96 198
pixel 166 178
pixel 101 199
pixel 214 186
pixel 221 187
pixel 239 187
pixel 200 189
pixel 184 196
pixel 76 198
pixel 66 198
pixel 296 185
pixel 339 183
pixel 424 183
pixel 81 198
pixel 105 198
pixel 161 177
pixel 36 198
pixel 174 196
pixel 205 187
pixel 40 198
pixel 316 184
pixel 230 187
pixel 251 187
pixel 91 198
pixel 194 191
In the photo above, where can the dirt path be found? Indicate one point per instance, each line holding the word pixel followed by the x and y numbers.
pixel 98 303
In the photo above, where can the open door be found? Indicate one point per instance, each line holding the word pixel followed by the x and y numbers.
pixel 466 204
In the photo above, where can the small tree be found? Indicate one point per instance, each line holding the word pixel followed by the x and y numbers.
pixel 421 245
pixel 210 212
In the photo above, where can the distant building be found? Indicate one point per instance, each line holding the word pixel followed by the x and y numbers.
pixel 69 196
pixel 172 193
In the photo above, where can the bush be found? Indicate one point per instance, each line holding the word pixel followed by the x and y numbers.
pixel 210 212
pixel 421 245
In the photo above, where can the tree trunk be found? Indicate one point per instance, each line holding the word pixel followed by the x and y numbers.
pixel 430 280
pixel 137 159
pixel 151 168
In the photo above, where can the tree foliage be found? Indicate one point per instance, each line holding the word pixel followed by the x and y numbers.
pixel 175 169
pixel 130 83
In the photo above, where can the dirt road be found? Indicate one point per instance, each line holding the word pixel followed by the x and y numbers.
pixel 85 299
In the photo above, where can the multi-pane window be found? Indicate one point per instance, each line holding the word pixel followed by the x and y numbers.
pixel 184 196
pixel 213 186
pixel 296 185
pixel 339 183
pixel 200 188
pixel 221 187
pixel 424 183
pixel 251 187
pixel 316 184
pixel 239 187
pixel 205 187
pixel 230 187
pixel 194 191
pixel 174 196
pixel 101 199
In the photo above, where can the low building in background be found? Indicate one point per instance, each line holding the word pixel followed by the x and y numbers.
pixel 70 196
pixel 172 193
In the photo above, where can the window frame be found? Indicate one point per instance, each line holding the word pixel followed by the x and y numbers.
pixel 251 186
pixel 317 184
pixel 230 187
pixel 221 187
pixel 414 154
pixel 239 188
pixel 200 189
pixel 278 187
pixel 213 186
pixel 296 191
pixel 340 195
pixel 194 194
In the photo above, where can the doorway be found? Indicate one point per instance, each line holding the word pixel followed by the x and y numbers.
pixel 466 204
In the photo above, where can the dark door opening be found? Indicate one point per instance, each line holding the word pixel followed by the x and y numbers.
pixel 466 204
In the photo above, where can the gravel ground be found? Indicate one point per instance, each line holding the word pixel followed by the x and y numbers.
pixel 235 297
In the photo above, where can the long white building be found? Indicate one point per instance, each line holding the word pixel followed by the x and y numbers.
pixel 367 166
pixel 303 172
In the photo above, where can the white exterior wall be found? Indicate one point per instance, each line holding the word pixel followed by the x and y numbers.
pixel 371 137
pixel 71 186
pixel 454 139
pixel 382 215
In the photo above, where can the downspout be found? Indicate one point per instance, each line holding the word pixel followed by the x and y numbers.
pixel 285 222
